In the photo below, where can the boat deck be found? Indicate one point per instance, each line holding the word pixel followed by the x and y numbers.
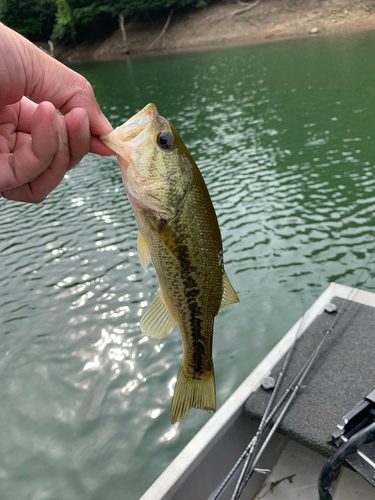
pixel 341 376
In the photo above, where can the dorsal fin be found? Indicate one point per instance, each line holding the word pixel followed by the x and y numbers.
pixel 157 321
pixel 143 251
pixel 229 295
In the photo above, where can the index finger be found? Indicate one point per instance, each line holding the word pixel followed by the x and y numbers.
pixel 43 78
pixel 67 90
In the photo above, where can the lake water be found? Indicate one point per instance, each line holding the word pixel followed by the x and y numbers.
pixel 284 136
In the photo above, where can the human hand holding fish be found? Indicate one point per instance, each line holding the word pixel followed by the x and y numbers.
pixel 37 144
pixel 179 232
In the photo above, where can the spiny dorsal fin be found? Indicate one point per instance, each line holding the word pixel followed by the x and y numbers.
pixel 143 251
pixel 229 295
pixel 157 321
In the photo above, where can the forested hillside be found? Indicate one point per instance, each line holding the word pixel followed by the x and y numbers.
pixel 75 20
pixel 107 29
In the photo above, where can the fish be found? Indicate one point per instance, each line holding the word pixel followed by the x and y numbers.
pixel 179 232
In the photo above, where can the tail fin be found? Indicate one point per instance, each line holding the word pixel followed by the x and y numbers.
pixel 192 393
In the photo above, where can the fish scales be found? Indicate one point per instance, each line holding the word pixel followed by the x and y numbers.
pixel 181 282
pixel 179 231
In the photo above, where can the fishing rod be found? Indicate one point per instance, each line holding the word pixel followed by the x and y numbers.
pixel 264 422
pixel 249 450
pixel 295 388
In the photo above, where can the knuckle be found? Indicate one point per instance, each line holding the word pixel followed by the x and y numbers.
pixel 86 87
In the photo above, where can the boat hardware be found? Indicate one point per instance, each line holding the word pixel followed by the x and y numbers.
pixel 330 308
pixel 268 383
pixel 263 471
pixel 357 418
pixel 356 429
pixel 365 458
pixel 350 447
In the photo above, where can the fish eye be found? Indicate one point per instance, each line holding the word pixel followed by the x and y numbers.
pixel 165 140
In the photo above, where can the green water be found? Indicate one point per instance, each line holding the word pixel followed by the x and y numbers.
pixel 284 136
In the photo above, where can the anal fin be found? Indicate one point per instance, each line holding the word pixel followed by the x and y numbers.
pixel 229 295
pixel 157 321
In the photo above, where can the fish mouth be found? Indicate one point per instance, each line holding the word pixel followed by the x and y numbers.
pixel 119 138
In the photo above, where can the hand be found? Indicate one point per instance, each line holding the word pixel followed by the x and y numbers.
pixel 38 145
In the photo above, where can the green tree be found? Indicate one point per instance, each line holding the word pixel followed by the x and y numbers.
pixel 34 19
pixel 78 19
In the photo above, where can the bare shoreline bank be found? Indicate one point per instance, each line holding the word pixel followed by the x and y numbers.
pixel 215 27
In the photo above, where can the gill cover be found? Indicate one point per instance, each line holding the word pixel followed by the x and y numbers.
pixel 156 175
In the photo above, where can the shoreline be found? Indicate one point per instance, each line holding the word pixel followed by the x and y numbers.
pixel 214 27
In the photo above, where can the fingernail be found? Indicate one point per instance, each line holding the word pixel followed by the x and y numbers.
pixel 63 131
pixel 84 128
pixel 106 125
pixel 62 145
pixel 55 122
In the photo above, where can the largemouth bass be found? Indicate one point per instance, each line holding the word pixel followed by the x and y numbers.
pixel 179 232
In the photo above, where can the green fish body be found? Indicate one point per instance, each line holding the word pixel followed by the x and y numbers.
pixel 179 232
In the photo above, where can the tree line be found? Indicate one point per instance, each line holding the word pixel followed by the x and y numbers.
pixel 76 20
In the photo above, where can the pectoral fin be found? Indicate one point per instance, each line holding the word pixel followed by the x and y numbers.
pixel 170 239
pixel 229 295
pixel 143 251
pixel 157 321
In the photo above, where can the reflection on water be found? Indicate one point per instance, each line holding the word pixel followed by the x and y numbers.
pixel 284 136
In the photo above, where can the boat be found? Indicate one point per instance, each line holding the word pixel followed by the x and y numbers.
pixel 332 351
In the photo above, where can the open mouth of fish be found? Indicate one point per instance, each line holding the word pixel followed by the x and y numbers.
pixel 129 135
